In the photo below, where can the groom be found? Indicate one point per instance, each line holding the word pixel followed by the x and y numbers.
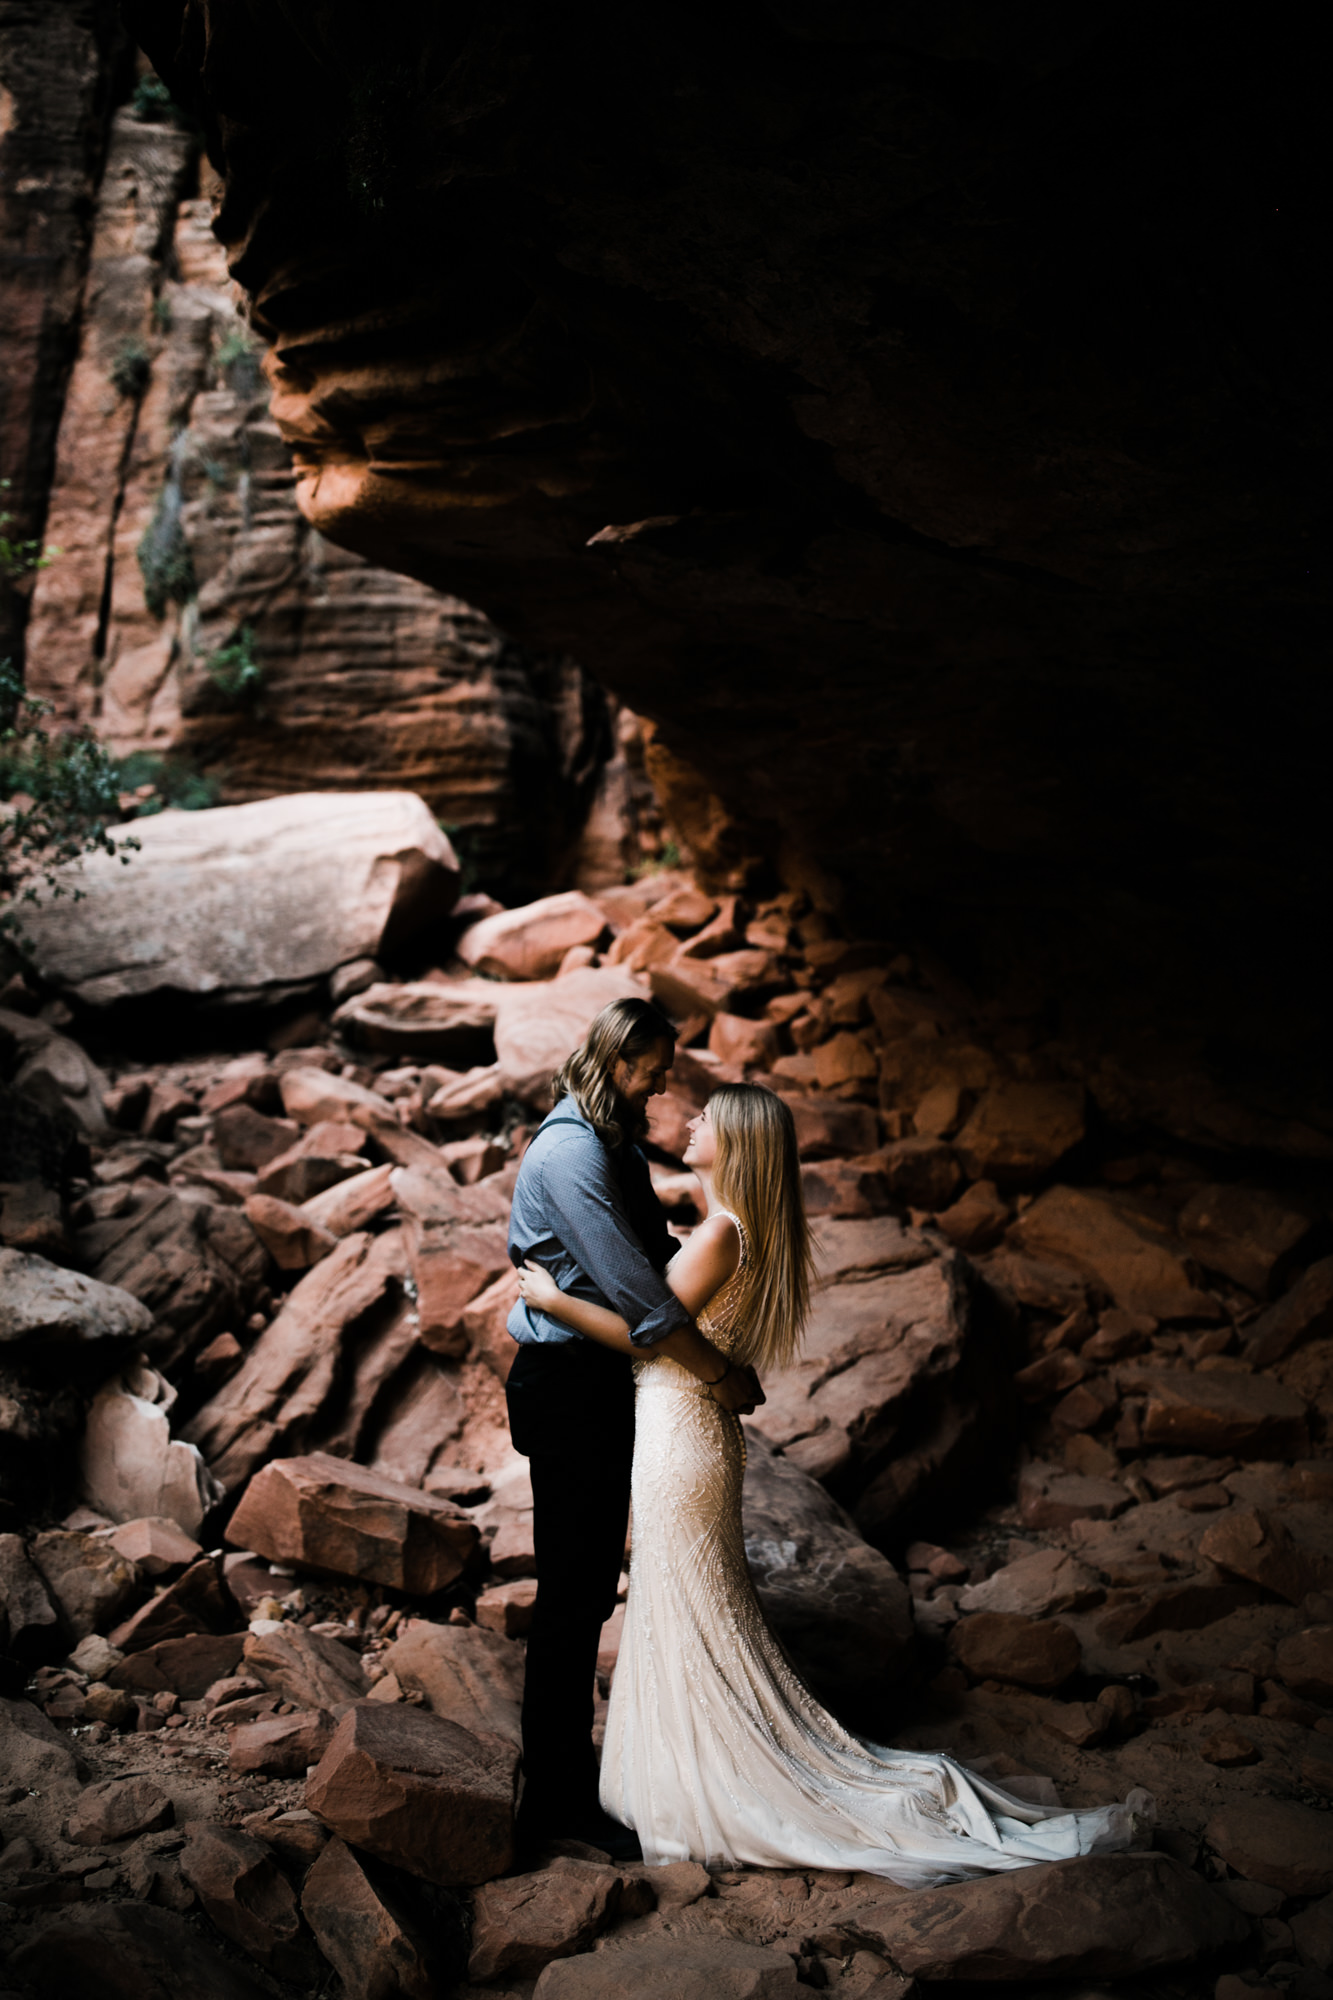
pixel 585 1209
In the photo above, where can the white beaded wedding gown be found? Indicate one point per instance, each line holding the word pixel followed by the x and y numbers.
pixel 714 1749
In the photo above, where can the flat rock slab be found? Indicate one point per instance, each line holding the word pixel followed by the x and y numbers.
pixel 468 1675
pixel 889 1356
pixel 1305 1663
pixel 1260 1548
pixel 305 1667
pixel 1118 1250
pixel 1300 1315
pixel 158 1544
pixel 1277 1842
pixel 1038 1653
pixel 241 897
pixel 118 1809
pixel 127 1951
pixel 48 1312
pixel 1047 1580
pixel 297 1368
pixel 537 1025
pixel 130 1466
pixel 1018 1131
pixel 430 1021
pixel 372 1942
pixel 529 943
pixel 195 1602
pixel 1243 1416
pixel 1101 1916
pixel 522 1924
pixel 419 1792
pixel 33 1753
pixel 326 1513
pixel 673 1968
pixel 245 1894
pixel 27 1617
pixel 832 1599
pixel 89 1581
pixel 281 1746
pixel 186 1667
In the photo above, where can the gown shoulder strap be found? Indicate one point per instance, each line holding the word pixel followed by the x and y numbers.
pixel 732 1216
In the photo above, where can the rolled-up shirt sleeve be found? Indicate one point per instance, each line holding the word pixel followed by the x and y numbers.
pixel 586 1211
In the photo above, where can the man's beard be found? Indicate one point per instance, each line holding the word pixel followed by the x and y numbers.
pixel 632 1119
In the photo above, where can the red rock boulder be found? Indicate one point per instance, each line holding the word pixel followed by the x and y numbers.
pixel 325 1513
pixel 1101 1916
pixel 374 1945
pixel 247 1897
pixel 530 942
pixel 522 1924
pixel 1038 1653
pixel 419 1792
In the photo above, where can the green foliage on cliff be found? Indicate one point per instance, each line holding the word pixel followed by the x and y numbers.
pixel 131 366
pixel 234 670
pixel 20 555
pixel 59 798
pixel 153 104
pixel 237 359
pixel 164 554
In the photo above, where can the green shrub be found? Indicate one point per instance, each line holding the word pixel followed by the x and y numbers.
pixel 237 358
pixel 234 670
pixel 64 796
pixel 164 554
pixel 130 368
pixel 668 858
pixel 19 555
pixel 175 782
pixel 152 103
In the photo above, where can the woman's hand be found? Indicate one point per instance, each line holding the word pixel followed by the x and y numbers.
pixel 539 1289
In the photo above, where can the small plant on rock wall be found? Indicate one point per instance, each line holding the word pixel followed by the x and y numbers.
pixel 20 555
pixel 153 104
pixel 668 858
pixel 59 798
pixel 238 362
pixel 234 671
pixel 165 562
pixel 130 369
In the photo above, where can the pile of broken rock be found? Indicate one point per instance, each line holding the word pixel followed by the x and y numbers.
pixel 266 1564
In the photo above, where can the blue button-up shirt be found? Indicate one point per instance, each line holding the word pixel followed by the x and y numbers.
pixel 590 1217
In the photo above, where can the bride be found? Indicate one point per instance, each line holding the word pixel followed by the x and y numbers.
pixel 715 1751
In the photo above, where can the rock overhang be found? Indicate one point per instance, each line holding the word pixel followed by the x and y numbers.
pixel 865 404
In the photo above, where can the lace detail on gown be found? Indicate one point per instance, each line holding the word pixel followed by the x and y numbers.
pixel 716 1751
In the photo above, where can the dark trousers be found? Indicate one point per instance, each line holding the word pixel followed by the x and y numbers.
pixel 571 1411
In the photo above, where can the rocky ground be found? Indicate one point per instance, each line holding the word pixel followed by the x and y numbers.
pixel 1048 1489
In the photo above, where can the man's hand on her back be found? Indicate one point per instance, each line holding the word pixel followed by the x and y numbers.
pixel 739 1391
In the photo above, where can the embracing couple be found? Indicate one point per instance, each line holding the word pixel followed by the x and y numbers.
pixel 636 1362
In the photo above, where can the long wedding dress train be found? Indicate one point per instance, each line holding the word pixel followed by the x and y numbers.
pixel 716 1752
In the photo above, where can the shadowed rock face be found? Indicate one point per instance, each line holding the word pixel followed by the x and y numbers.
pixel 915 414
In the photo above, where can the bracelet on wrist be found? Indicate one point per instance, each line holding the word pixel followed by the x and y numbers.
pixel 717 1378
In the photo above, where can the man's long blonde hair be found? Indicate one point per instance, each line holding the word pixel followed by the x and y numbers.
pixel 757 1174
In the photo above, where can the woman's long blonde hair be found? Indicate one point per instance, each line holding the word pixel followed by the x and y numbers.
pixel 757 1174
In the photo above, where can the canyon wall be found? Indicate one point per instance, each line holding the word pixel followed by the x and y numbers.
pixel 917 418
pixel 60 64
pixel 191 612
